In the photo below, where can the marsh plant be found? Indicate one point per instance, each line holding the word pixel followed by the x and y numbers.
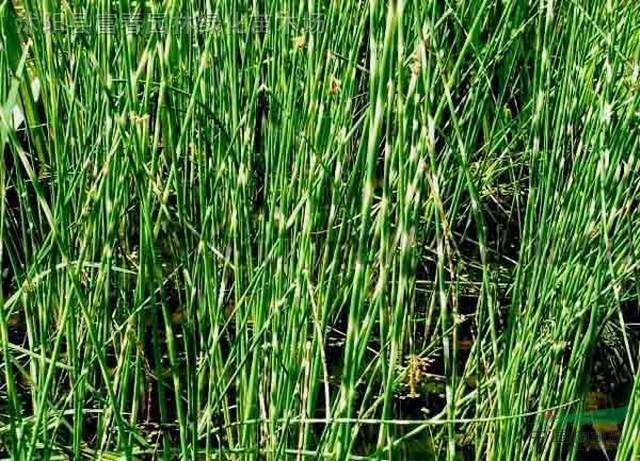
pixel 341 230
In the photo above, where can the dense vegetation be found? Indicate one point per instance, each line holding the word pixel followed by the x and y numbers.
pixel 319 230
